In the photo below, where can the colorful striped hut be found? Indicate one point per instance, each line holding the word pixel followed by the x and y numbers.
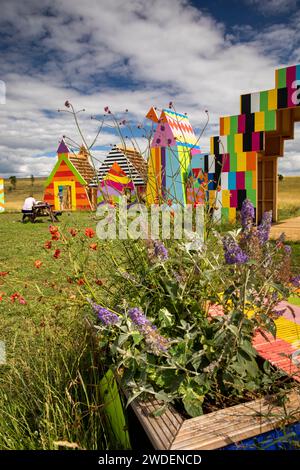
pixel 67 186
pixel 173 146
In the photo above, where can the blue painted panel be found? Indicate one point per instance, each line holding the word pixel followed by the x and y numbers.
pixel 289 439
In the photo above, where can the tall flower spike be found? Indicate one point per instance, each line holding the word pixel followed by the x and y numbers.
pixel 247 215
pixel 263 230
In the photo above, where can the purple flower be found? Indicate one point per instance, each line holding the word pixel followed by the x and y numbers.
pixel 105 316
pixel 138 317
pixel 160 251
pixel 263 230
pixel 247 215
pixel 153 339
pixel 296 281
pixel 287 249
pixel 233 252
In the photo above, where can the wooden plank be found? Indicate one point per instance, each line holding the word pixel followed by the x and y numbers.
pixel 234 424
pixel 161 430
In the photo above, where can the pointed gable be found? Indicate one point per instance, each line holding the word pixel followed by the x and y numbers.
pixel 129 160
pixel 63 148
pixel 174 129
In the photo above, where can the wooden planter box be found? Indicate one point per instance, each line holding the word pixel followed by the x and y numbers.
pixel 218 429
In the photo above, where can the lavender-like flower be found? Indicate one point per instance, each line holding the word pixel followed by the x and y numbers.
pixel 153 339
pixel 247 215
pixel 105 316
pixel 263 230
pixel 295 281
pixel 233 252
pixel 160 251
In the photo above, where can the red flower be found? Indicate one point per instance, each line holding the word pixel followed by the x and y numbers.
pixel 18 296
pixel 80 282
pixel 90 232
pixel 1 296
pixel 99 282
pixel 93 246
pixel 169 202
pixel 73 232
pixel 38 264
pixel 48 245
pixel 3 273
pixel 56 236
pixel 53 229
pixel 56 254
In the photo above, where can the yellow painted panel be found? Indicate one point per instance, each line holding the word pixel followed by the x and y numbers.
pixel 272 99
pixel 226 198
pixel 226 125
pixel 287 330
pixel 241 161
pixel 212 150
pixel 238 143
pixel 232 214
pixel 259 124
pixel 152 187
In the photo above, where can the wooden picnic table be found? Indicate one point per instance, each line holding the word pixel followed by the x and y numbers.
pixel 43 209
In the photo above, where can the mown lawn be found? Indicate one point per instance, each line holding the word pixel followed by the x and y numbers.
pixel 289 197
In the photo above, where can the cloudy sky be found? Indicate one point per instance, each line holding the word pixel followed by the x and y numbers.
pixel 133 54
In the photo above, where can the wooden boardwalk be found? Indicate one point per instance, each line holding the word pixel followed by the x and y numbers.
pixel 291 228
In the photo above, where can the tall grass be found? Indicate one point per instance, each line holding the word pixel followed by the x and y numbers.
pixel 50 395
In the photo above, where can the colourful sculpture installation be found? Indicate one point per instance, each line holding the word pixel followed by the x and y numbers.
pixel 173 145
pixel 249 144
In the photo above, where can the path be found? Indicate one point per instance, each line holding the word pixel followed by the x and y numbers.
pixel 291 228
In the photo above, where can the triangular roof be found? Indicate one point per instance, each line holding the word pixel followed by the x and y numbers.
pixel 64 158
pixel 129 160
pixel 62 148
pixel 174 129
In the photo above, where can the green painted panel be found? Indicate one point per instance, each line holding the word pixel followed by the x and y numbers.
pixel 264 101
pixel 230 143
pixel 233 124
pixel 113 411
pixel 270 120
pixel 281 78
pixel 248 179
pixel 251 195
pixel 224 214
pixel 233 161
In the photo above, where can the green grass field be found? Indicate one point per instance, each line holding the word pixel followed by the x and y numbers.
pixel 45 338
pixel 289 195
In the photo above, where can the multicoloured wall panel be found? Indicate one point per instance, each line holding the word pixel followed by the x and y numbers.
pixel 1 195
pixel 245 137
pixel 173 145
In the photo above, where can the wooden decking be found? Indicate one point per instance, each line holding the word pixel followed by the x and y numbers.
pixel 171 431
pixel 291 228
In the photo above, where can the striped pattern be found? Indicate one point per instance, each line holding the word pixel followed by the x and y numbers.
pixel 113 185
pixel 70 171
pixel 283 350
pixel 242 137
pixel 1 195
pixel 131 162
pixel 172 147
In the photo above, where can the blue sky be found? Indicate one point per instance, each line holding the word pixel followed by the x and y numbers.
pixel 133 54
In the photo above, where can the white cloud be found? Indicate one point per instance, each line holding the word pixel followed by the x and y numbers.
pixel 125 55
